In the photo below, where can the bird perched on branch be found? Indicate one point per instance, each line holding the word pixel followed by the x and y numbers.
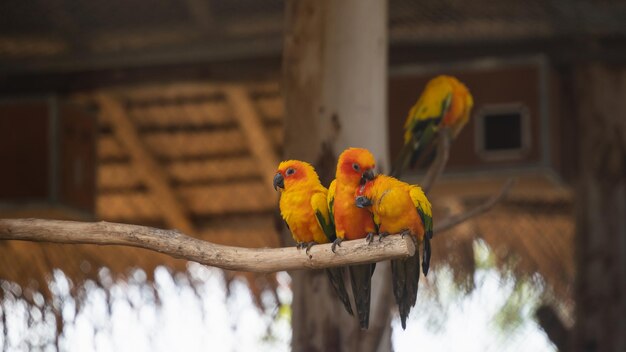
pixel 354 166
pixel 444 103
pixel 304 207
pixel 400 208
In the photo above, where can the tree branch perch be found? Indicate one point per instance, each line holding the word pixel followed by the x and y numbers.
pixel 178 245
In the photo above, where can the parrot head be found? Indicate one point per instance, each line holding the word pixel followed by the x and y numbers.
pixel 356 166
pixel 293 173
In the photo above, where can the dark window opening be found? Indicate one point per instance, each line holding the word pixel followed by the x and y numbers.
pixel 502 131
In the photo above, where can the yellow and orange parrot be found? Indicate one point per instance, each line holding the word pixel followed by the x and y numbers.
pixel 401 208
pixel 444 103
pixel 304 207
pixel 354 166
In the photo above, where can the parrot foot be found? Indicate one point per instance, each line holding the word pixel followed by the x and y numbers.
pixel 405 232
pixel 382 235
pixel 308 246
pixel 336 243
pixel 299 245
pixel 370 237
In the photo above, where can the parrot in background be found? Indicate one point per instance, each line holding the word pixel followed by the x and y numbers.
pixel 401 208
pixel 444 103
pixel 354 166
pixel 304 207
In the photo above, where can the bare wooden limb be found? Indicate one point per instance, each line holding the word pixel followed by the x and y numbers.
pixel 441 160
pixel 455 220
pixel 144 164
pixel 178 245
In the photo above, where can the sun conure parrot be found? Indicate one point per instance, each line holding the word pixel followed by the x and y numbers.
pixel 401 208
pixel 354 223
pixel 444 103
pixel 304 207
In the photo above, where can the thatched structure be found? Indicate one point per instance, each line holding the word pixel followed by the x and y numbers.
pixel 190 132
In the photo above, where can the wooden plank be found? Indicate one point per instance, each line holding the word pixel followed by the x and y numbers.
pixel 185 90
pixel 271 109
pixel 202 200
pixel 259 142
pixel 135 207
pixel 228 198
pixel 119 175
pixel 172 145
pixel 145 166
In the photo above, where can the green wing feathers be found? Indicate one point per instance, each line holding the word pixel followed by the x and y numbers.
pixel 323 216
pixel 424 209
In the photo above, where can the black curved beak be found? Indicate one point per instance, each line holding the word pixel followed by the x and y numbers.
pixel 367 176
pixel 279 181
pixel 363 202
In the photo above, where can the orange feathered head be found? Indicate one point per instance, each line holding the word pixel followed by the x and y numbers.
pixel 355 165
pixel 292 173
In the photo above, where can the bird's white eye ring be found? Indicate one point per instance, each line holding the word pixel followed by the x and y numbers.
pixel 290 171
pixel 356 167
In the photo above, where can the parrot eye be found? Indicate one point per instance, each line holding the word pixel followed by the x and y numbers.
pixel 290 171
pixel 356 167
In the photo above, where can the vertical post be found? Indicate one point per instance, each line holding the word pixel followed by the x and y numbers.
pixel 601 208
pixel 335 83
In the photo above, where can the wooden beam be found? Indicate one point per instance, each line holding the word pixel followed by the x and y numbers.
pixel 144 164
pixel 252 127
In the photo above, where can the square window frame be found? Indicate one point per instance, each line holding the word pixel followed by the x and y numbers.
pixel 502 155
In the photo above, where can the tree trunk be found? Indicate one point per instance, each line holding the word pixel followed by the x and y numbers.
pixel 601 210
pixel 335 74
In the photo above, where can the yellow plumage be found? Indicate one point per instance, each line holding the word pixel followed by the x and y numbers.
pixel 303 206
pixel 401 208
pixel 444 103
pixel 301 199
pixel 444 100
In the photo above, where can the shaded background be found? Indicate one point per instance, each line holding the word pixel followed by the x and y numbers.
pixel 123 111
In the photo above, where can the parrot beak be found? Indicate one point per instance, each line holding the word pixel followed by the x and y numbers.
pixel 279 181
pixel 363 202
pixel 367 176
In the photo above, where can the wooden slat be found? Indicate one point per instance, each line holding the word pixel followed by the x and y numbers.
pixel 202 201
pixel 121 175
pixel 214 113
pixel 229 198
pixel 271 109
pixel 178 91
pixel 259 141
pixel 127 207
pixel 145 166
pixel 173 145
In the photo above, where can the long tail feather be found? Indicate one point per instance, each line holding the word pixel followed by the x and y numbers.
pixel 405 274
pixel 361 279
pixel 335 275
pixel 426 259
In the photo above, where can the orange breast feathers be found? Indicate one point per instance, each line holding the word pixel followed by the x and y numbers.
pixel 300 187
pixel 352 222
pixel 391 203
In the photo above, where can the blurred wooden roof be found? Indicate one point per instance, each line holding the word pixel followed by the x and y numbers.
pixel 40 35
pixel 181 156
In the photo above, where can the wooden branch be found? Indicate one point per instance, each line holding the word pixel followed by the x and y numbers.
pixel 144 164
pixel 455 220
pixel 441 160
pixel 178 245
